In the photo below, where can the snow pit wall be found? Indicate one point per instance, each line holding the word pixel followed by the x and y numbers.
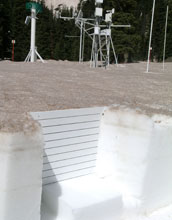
pixel 136 150
pixel 21 175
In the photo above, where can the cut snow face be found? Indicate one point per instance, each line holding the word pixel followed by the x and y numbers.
pixel 135 152
pixel 21 174
pixel 133 167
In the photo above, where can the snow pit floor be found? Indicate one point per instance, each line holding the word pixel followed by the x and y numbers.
pixel 162 214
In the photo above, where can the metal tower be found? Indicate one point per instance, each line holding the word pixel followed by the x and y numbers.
pixel 35 8
pixel 98 33
pixel 102 39
pixel 106 39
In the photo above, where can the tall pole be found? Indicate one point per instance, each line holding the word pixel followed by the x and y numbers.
pixel 33 33
pixel 35 8
pixel 165 38
pixel 13 53
pixel 13 42
pixel 150 38
pixel 81 43
pixel 96 43
pixel 116 60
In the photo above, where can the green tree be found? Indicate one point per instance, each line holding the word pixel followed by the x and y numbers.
pixel 19 31
pixel 169 32
pixel 53 39
pixel 126 40
pixel 1 30
pixel 5 7
pixel 159 29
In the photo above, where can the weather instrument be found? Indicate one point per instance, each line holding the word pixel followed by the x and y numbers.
pixel 99 33
pixel 102 39
pixel 35 8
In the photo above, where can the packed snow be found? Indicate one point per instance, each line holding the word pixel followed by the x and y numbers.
pixel 26 87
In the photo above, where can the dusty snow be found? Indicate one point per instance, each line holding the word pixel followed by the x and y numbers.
pixel 26 87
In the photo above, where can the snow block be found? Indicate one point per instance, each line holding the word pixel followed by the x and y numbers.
pixel 136 150
pixel 83 198
pixel 20 175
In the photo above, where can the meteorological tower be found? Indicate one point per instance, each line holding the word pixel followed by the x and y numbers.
pixel 35 8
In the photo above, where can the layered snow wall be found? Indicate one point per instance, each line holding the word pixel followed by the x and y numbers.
pixel 136 150
pixel 20 174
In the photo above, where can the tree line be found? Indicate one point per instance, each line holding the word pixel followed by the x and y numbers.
pixel 53 41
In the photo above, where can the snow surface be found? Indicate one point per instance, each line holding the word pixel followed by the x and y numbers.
pixel 26 87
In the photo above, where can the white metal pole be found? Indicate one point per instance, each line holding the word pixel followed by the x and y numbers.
pixel 108 42
pixel 165 38
pixel 116 60
pixel 81 38
pixel 33 33
pixel 83 43
pixel 150 39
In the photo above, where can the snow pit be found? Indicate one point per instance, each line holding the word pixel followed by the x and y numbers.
pixel 21 173
pixel 135 151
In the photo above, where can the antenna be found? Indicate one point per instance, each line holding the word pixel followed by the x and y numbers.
pixel 35 8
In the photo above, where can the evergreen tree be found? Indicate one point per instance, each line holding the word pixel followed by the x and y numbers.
pixel 159 29
pixel 144 15
pixel 126 40
pixel 19 31
pixel 44 38
pixel 53 39
pixel 5 43
pixel 169 32
pixel 1 30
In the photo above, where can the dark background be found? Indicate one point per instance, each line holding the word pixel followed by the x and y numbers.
pixel 52 43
